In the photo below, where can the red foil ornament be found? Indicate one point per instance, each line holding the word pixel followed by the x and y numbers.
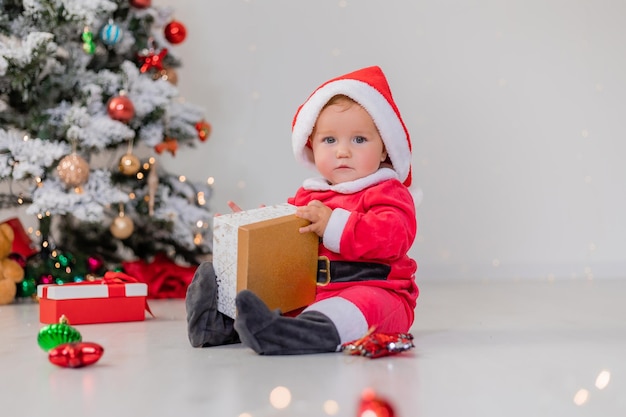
pixel 175 32
pixel 372 405
pixel 141 4
pixel 121 108
pixel 75 355
pixel 376 345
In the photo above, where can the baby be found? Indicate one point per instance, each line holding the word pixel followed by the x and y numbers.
pixel 351 131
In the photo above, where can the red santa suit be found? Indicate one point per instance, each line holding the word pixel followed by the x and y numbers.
pixel 373 222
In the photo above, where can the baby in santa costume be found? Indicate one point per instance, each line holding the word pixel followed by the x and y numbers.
pixel 351 131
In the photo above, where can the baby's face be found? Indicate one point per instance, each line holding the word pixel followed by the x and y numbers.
pixel 346 143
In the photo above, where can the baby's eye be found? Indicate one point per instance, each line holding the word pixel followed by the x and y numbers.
pixel 359 139
pixel 329 139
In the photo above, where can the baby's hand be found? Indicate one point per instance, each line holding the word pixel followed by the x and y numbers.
pixel 318 214
pixel 234 207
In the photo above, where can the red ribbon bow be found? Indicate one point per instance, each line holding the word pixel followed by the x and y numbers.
pixel 115 277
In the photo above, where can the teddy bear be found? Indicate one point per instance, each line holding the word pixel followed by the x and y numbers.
pixel 11 272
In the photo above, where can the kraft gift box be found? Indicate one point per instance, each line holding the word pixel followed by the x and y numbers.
pixel 92 302
pixel 262 250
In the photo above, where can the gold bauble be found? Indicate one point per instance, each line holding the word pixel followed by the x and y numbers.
pixel 129 164
pixel 122 227
pixel 73 170
pixel 167 74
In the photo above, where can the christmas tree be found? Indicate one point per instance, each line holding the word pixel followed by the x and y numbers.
pixel 88 100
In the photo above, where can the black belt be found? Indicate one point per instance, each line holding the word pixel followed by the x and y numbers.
pixel 343 271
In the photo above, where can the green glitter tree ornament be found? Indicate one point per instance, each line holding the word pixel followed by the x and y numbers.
pixel 53 335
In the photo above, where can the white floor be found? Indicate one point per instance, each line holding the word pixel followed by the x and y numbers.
pixel 482 349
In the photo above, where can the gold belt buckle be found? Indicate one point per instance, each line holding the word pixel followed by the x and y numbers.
pixel 325 270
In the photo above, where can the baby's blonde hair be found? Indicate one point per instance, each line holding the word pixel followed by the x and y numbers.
pixel 340 99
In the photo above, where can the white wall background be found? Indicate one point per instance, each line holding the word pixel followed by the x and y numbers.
pixel 516 110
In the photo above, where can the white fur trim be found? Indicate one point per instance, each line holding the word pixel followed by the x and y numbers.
pixel 334 229
pixel 385 118
pixel 347 318
pixel 350 187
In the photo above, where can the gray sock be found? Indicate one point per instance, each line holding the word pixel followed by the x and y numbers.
pixel 205 325
pixel 269 333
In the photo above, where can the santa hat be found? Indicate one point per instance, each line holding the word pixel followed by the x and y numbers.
pixel 369 88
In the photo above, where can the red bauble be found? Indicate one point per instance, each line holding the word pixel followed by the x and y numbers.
pixel 204 130
pixel 175 32
pixel 76 354
pixel 374 406
pixel 141 4
pixel 121 108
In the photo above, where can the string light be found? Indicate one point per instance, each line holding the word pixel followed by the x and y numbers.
pixel 280 397
pixel 603 379
pixel 581 397
pixel 331 407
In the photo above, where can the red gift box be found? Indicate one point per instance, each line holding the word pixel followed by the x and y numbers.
pixel 100 301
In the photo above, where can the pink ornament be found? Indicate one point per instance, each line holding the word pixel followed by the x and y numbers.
pixel 94 264
pixel 46 279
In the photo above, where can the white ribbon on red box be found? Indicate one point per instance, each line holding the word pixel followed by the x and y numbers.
pixel 91 290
